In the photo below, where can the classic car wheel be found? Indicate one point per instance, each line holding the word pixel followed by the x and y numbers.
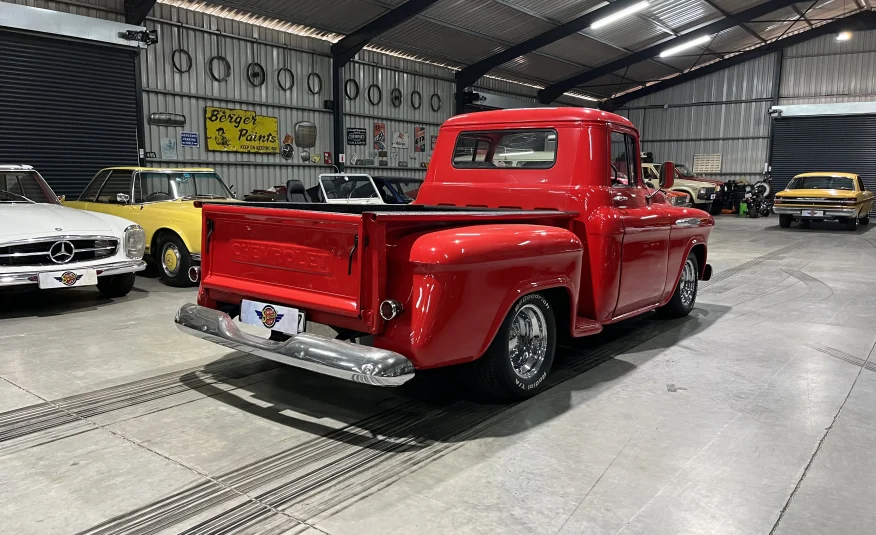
pixel 716 209
pixel 852 223
pixel 116 285
pixel 173 260
pixel 522 353
pixel 785 220
pixel 685 295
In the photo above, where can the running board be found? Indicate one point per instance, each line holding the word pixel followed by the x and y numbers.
pixel 586 327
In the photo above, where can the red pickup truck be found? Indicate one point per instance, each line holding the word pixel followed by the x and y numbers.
pixel 531 225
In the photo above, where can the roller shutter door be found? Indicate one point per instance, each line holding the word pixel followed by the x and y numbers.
pixel 68 108
pixel 824 143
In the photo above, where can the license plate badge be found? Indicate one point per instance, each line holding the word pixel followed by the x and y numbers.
pixel 812 213
pixel 713 196
pixel 287 320
pixel 67 279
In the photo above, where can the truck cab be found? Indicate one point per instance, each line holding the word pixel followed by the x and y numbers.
pixel 530 223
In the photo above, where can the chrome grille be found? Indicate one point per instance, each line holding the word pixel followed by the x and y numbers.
pixel 39 252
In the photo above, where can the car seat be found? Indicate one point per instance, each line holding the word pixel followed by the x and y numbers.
pixel 295 191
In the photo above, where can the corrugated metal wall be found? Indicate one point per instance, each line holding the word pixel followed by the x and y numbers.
pixel 825 71
pixel 721 113
pixel 726 112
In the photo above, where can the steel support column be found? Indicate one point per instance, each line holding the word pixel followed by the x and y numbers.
pixel 339 144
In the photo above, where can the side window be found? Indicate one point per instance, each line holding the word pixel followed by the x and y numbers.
pixel 93 187
pixel 861 184
pixel 620 171
pixel 118 182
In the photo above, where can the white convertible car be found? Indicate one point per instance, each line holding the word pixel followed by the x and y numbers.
pixel 45 244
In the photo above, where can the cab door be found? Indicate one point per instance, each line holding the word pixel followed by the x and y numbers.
pixel 645 248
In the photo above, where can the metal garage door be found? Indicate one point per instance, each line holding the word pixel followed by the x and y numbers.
pixel 824 143
pixel 68 108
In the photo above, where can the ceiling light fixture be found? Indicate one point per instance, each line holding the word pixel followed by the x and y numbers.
pixel 844 36
pixel 605 21
pixel 690 44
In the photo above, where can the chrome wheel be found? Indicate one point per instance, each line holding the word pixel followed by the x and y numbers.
pixel 688 283
pixel 527 341
pixel 170 259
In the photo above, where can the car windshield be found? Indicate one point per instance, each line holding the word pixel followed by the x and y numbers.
pixel 683 171
pixel 348 187
pixel 165 186
pixel 23 187
pixel 822 182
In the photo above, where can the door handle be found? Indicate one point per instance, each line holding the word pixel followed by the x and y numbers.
pixel 620 198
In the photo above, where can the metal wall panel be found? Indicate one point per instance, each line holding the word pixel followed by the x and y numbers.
pixel 407 83
pixel 834 75
pixel 750 80
pixel 744 119
pixel 741 158
pixel 102 9
pixel 827 44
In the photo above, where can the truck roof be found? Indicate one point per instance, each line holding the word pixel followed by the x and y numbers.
pixel 536 115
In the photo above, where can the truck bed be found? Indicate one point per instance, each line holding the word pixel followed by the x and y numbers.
pixel 329 260
pixel 389 209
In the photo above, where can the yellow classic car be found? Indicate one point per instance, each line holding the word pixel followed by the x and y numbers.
pixel 162 202
pixel 822 196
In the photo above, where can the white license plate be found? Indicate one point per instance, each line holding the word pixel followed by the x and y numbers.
pixel 713 196
pixel 68 278
pixel 287 320
pixel 812 213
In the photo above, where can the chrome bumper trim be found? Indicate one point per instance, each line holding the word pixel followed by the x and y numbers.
pixel 196 258
pixel 353 362
pixel 32 277
pixel 828 212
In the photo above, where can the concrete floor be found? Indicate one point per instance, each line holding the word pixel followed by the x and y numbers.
pixel 753 415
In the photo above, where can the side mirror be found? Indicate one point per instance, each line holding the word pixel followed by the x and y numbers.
pixel 62 198
pixel 233 191
pixel 667 175
pixel 122 198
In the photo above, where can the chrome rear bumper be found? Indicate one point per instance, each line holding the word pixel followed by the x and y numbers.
pixel 353 362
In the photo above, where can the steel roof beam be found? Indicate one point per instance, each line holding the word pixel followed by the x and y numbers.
pixel 474 72
pixel 745 27
pixel 863 20
pixel 552 92
pixel 347 48
pixel 802 15
pixel 136 11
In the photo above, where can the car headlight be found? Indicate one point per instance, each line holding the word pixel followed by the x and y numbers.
pixel 135 242
pixel 701 192
pixel 676 200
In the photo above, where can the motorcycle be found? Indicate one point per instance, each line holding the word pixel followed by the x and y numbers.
pixel 759 205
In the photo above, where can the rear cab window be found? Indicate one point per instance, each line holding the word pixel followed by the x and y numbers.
pixel 519 148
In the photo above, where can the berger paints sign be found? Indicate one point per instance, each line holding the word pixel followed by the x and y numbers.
pixel 241 131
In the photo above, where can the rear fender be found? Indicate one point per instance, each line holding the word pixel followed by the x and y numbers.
pixel 466 279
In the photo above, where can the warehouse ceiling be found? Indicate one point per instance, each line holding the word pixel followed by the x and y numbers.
pixel 460 33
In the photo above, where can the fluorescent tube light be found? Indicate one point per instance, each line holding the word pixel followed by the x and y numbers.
pixel 605 21
pixel 690 44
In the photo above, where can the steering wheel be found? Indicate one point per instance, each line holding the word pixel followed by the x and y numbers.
pixel 614 175
pixel 158 196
